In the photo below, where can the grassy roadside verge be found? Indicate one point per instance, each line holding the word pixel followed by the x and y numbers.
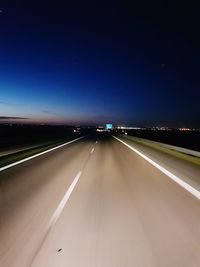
pixel 172 152
pixel 11 158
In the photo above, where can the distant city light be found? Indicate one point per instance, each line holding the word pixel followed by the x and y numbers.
pixel 184 129
pixel 129 128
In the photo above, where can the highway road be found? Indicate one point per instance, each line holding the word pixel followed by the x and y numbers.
pixel 96 203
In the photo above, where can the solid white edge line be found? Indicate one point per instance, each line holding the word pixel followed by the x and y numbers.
pixel 175 178
pixel 37 155
pixel 63 202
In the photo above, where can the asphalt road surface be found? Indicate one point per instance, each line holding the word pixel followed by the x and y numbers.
pixel 96 203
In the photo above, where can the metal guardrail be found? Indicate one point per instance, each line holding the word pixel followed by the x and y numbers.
pixel 176 148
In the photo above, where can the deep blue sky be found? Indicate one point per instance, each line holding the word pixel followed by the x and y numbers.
pixel 92 62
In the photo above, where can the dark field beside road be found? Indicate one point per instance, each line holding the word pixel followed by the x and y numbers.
pixel 22 135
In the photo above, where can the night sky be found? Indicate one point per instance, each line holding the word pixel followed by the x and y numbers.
pixel 90 62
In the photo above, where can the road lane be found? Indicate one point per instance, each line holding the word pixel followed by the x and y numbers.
pixel 11 165
pixel 188 171
pixel 171 175
pixel 124 212
pixel 29 195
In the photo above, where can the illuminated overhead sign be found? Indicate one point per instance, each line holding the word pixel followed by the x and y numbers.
pixel 109 126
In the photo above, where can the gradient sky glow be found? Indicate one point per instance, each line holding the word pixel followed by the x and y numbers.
pixel 92 63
